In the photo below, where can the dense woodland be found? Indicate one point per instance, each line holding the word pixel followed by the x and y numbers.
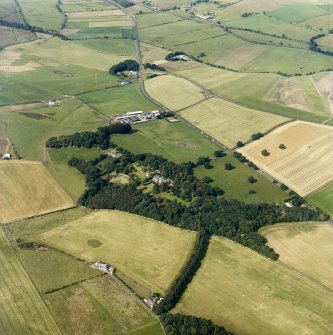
pixel 206 210
pixel 178 324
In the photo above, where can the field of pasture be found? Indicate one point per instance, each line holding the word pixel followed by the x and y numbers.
pixel 109 236
pixel 9 11
pixel 10 36
pixel 173 92
pixel 28 189
pixel 228 122
pixel 235 182
pixel 174 141
pixel 304 165
pixel 250 294
pixel 292 240
pixel 323 199
pixel 22 309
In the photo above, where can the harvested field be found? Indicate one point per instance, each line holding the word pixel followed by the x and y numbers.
pixel 8 58
pixel 173 92
pixel 250 294
pixel 306 163
pixel 228 122
pixel 28 189
pixel 67 31
pixel 22 311
pixel 150 263
pixel 117 23
pixel 292 240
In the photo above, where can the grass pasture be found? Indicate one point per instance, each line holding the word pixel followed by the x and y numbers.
pixel 323 199
pixel 173 92
pixel 118 100
pixel 305 164
pixel 292 240
pixel 10 36
pixel 28 189
pixel 174 141
pixel 42 13
pixel 250 294
pixel 110 236
pixel 9 11
pixel 235 182
pixel 100 306
pixel 22 309
pixel 156 19
pixel 228 122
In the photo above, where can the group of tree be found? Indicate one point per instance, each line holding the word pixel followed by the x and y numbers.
pixel 126 65
pixel 185 277
pixel 154 67
pixel 172 56
pixel 89 139
pixel 178 324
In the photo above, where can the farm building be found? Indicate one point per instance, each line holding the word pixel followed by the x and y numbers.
pixel 139 116
pixel 6 156
pixel 106 268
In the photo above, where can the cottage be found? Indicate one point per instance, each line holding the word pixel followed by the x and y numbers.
pixel 6 156
pixel 106 268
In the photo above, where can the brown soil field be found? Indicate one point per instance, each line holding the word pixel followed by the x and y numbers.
pixel 28 189
pixel 4 145
pixel 306 163
pixel 68 31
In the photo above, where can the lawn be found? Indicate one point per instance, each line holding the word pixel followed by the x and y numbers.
pixel 174 141
pixel 22 311
pixel 235 182
pixel 28 189
pixel 109 236
pixel 292 240
pixel 100 306
pixel 250 294
pixel 42 13
pixel 173 92
pixel 323 199
pixel 118 100
pixel 228 122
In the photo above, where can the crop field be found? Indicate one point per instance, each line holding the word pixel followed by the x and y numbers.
pixel 292 240
pixel 235 182
pixel 323 199
pixel 305 164
pixel 109 236
pixel 156 19
pixel 183 145
pixel 10 36
pixel 42 13
pixel 28 189
pixel 151 53
pixel 324 23
pixel 100 306
pixel 22 309
pixel 228 122
pixel 297 12
pixel 68 6
pixel 118 100
pixel 250 294
pixel 300 93
pixel 173 92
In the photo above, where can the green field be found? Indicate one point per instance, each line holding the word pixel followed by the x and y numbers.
pixel 250 294
pixel 292 240
pixel 118 100
pixel 323 199
pixel 22 309
pixel 42 13
pixel 174 141
pixel 100 306
pixel 228 122
pixel 154 19
pixel 173 92
pixel 109 236
pixel 75 6
pixel 235 182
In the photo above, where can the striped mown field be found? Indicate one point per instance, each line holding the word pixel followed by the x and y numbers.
pixel 22 311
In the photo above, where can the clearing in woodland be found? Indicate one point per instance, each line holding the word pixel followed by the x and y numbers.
pixel 110 236
pixel 22 311
pixel 303 163
pixel 228 122
pixel 292 240
pixel 249 294
pixel 28 189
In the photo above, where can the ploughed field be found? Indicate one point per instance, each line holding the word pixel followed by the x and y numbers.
pixel 147 251
pixel 305 165
pixel 28 189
